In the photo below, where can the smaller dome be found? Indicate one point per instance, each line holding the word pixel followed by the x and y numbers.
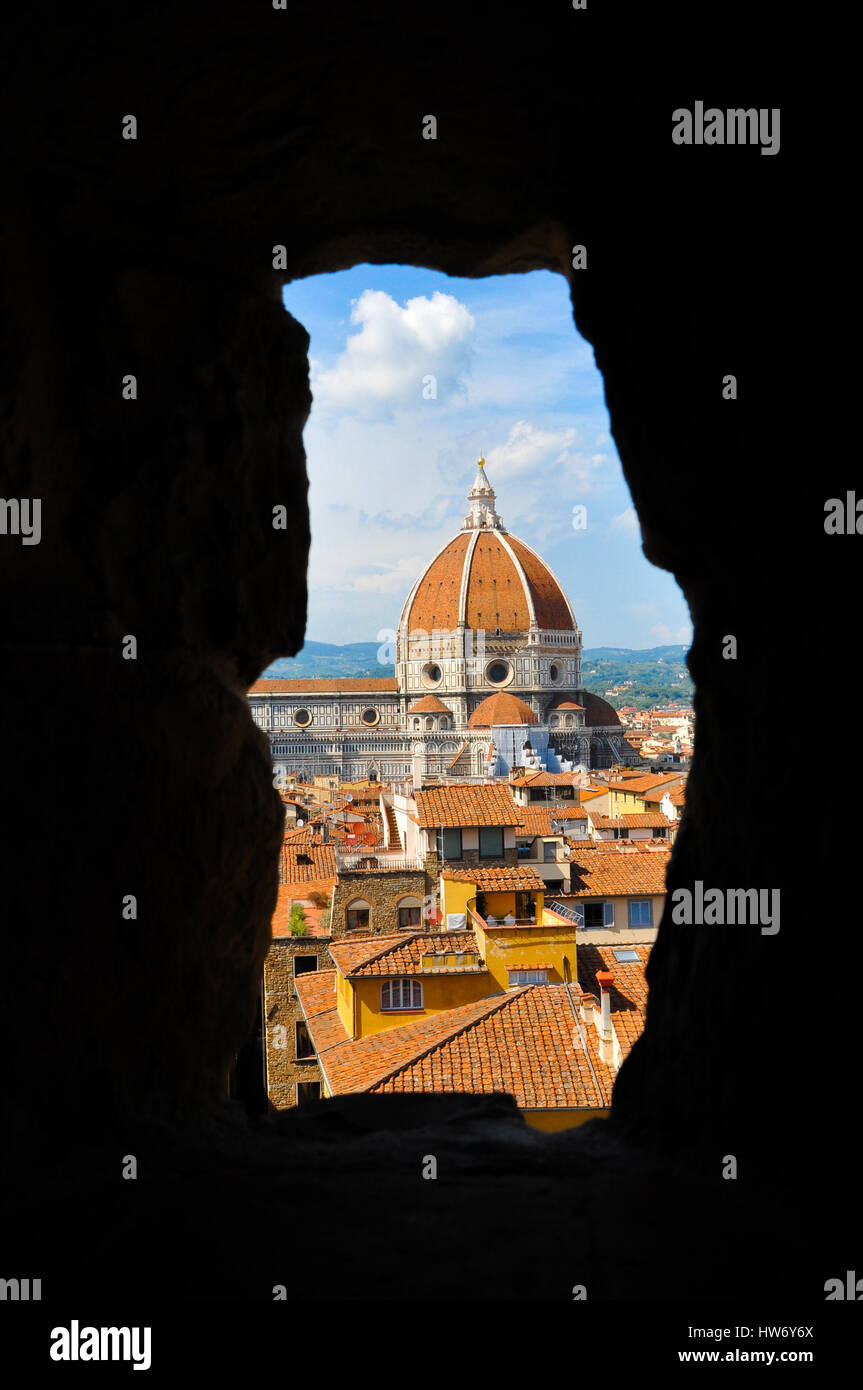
pixel 429 704
pixel 568 704
pixel 501 708
pixel 598 713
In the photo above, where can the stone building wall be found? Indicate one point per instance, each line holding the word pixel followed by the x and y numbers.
pixel 382 889
pixel 282 1011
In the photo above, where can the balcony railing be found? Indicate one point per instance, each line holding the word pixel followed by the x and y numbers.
pixel 380 862
pixel 493 922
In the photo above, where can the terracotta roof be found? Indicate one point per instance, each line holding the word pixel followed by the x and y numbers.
pixel 384 956
pixel 466 804
pixel 501 708
pixel 598 712
pixel 357 1066
pixel 647 782
pixel 485 579
pixel 566 811
pixel 535 820
pixel 549 779
pixel 552 609
pixel 524 1041
pixel 628 993
pixel 322 865
pixel 324 686
pixel 596 873
pixel 436 601
pixel 303 835
pixel 518 877
pixel 528 1045
pixel 566 704
pixel 429 704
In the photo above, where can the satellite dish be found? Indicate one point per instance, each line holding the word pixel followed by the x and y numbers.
pixel 349 797
pixel 300 822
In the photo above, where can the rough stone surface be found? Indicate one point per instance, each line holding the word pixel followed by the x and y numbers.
pixel 259 128
pixel 282 1010
pixel 384 891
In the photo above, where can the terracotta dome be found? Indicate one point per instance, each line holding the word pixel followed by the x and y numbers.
pixel 599 712
pixel 429 704
pixel 487 579
pixel 501 708
pixel 568 704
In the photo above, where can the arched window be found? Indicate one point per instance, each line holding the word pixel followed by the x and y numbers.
pixel 569 721
pixel 417 723
pixel 429 722
pixel 409 909
pixel 358 914
pixel 444 723
pixel 401 994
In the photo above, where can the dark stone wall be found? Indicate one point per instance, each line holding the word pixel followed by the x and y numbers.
pixel 302 128
pixel 383 892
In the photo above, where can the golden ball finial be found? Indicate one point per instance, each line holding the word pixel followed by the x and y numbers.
pixel 480 463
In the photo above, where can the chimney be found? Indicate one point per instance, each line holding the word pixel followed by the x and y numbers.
pixel 588 1003
pixel 605 980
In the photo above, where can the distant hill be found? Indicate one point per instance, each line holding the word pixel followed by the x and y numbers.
pixel 326 659
pixel 658 674
pixel 663 654
pixel 643 678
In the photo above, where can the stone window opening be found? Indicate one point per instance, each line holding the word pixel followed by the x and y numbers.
pixel 358 915
pixel 409 913
pixel 304 1048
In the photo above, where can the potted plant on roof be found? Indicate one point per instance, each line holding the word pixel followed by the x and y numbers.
pixel 297 924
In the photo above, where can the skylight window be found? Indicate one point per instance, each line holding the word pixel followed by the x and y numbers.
pixel 624 956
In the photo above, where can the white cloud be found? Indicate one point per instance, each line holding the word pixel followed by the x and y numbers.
pixel 666 638
pixel 384 363
pixel 385 578
pixel 625 523
pixel 527 449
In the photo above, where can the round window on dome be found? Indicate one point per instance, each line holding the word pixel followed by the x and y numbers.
pixel 432 674
pixel 370 716
pixel 498 672
pixel 303 717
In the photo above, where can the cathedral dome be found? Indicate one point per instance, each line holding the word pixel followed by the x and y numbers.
pixel 429 704
pixel 598 713
pixel 486 579
pixel 501 708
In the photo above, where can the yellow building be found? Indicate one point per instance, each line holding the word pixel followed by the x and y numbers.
pixel 519 943
pixel 494 1003
pixel 384 981
pixel 556 1048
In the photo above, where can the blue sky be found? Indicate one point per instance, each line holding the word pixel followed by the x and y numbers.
pixel 390 468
